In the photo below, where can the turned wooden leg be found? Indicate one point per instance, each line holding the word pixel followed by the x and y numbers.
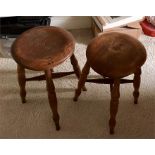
pixel 111 86
pixel 22 82
pixel 136 84
pixel 82 80
pixel 52 97
pixel 115 94
pixel 76 68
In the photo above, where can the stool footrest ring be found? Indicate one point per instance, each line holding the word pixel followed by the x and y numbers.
pixel 54 75
pixel 108 81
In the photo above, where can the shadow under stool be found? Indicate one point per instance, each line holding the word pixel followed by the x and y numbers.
pixel 41 49
pixel 114 56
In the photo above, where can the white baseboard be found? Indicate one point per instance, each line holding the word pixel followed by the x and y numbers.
pixel 71 22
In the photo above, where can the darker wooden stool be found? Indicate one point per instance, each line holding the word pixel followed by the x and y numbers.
pixel 42 49
pixel 114 56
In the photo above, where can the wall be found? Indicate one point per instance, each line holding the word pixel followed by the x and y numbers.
pixel 71 22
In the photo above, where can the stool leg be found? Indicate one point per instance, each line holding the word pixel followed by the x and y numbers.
pixel 22 82
pixel 111 86
pixel 115 94
pixel 82 80
pixel 52 97
pixel 76 68
pixel 136 84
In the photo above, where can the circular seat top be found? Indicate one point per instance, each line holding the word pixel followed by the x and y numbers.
pixel 115 54
pixel 43 47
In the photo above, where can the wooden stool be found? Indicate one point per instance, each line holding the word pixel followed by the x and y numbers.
pixel 41 49
pixel 114 56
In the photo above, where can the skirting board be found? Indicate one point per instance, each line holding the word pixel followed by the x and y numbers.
pixel 71 22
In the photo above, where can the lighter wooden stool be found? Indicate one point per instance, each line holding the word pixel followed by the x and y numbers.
pixel 42 49
pixel 114 56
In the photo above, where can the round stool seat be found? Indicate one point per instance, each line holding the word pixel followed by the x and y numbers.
pixel 115 54
pixel 43 47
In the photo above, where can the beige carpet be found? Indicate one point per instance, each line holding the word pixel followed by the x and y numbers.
pixel 88 118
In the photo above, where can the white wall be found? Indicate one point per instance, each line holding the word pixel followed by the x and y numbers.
pixel 71 22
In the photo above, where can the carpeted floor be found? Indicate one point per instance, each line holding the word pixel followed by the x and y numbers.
pixel 87 118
